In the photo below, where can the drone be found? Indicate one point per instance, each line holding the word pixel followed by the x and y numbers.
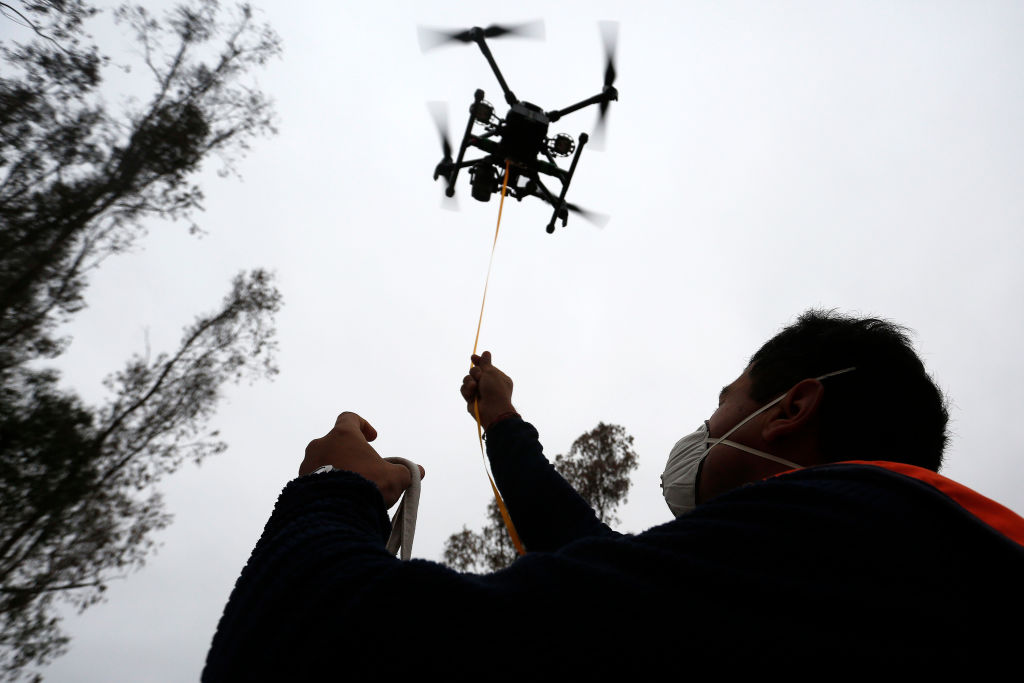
pixel 520 141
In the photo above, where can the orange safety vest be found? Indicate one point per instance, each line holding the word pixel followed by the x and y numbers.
pixel 986 510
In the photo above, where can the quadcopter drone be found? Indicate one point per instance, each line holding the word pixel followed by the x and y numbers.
pixel 521 139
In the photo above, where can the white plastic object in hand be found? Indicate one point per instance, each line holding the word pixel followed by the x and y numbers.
pixel 403 524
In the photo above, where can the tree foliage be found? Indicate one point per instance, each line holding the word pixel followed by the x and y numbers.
pixel 598 466
pixel 78 178
pixel 79 182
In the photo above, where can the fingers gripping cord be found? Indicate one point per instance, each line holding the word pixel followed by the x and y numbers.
pixel 403 524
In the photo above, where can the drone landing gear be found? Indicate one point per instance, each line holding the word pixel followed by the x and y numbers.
pixel 560 210
pixel 453 171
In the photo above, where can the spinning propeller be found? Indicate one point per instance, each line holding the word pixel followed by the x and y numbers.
pixel 610 39
pixel 439 113
pixel 432 37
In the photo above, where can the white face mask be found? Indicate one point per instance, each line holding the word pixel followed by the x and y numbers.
pixel 679 480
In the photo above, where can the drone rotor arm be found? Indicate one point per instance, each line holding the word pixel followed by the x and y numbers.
pixel 602 98
pixel 478 38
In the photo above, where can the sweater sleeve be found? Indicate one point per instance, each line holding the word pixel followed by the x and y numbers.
pixel 547 511
pixel 838 565
pixel 320 523
pixel 321 598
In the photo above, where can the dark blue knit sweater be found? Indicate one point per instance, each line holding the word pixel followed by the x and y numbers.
pixel 830 571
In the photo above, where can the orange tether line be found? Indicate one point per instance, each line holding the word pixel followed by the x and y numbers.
pixel 476 404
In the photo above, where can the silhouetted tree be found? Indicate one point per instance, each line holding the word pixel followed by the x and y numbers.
pixel 78 179
pixel 598 466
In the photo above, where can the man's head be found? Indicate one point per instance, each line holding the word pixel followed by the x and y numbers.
pixel 888 408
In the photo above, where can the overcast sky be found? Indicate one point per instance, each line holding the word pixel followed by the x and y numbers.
pixel 764 158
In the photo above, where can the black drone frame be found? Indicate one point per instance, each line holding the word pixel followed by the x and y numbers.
pixel 520 139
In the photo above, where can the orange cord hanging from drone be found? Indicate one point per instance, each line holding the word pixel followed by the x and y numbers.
pixel 476 404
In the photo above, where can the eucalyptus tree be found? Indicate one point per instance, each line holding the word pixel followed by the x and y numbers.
pixel 80 181
pixel 598 465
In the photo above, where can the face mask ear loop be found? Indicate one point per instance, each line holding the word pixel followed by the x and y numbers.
pixel 748 418
pixel 762 454
pixel 753 451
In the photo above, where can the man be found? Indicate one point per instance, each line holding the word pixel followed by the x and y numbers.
pixel 813 537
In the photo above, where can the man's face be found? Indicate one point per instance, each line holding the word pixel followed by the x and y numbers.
pixel 725 467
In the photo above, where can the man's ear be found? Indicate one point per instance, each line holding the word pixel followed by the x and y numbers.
pixel 797 411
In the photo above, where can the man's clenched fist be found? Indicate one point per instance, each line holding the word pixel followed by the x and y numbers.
pixel 489 388
pixel 347 447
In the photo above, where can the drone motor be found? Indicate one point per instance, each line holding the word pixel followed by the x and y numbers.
pixel 562 145
pixel 481 111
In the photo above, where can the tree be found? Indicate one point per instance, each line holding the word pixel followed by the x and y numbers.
pixel 598 466
pixel 79 182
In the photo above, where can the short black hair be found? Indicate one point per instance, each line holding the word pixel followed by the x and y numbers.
pixel 889 408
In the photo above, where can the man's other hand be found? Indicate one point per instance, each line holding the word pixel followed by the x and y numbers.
pixel 347 447
pixel 488 385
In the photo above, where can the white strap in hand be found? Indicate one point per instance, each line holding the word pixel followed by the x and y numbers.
pixel 403 524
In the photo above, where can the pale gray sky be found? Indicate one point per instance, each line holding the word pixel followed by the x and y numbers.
pixel 764 158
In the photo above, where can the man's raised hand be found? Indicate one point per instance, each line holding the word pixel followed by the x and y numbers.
pixel 347 447
pixel 488 386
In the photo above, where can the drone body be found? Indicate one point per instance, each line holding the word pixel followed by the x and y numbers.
pixel 520 142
